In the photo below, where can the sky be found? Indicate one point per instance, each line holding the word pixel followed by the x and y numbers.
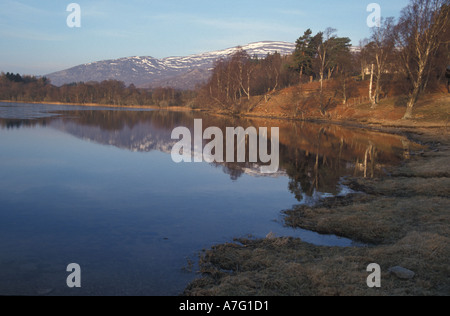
pixel 35 38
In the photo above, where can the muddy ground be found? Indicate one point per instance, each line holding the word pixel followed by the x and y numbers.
pixel 404 218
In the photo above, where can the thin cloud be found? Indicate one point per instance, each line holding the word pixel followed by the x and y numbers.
pixel 234 25
pixel 291 12
pixel 18 10
pixel 30 35
pixel 113 33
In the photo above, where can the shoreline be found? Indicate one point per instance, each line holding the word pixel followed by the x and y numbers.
pixel 403 216
pixel 357 123
pixel 143 107
pixel 386 125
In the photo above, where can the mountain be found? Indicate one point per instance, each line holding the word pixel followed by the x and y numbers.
pixel 177 72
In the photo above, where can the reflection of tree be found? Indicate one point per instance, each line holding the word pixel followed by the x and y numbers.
pixel 18 123
pixel 370 154
pixel 315 157
pixel 368 163
pixel 316 165
pixel 299 176
pixel 310 172
pixel 319 156
pixel 235 170
pixel 113 120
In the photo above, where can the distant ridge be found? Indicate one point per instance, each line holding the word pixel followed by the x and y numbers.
pixel 177 72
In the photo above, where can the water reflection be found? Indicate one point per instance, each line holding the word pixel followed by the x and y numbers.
pixel 98 187
pixel 314 156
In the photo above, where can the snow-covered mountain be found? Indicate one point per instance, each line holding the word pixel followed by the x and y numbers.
pixel 178 72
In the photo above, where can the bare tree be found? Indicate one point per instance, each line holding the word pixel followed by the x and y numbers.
pixel 362 57
pixel 245 69
pixel 346 66
pixel 272 71
pixel 231 81
pixel 323 51
pixel 371 97
pixel 329 49
pixel 419 34
pixel 383 46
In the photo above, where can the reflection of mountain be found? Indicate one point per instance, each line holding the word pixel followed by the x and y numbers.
pixel 138 138
pixel 314 156
pixel 144 137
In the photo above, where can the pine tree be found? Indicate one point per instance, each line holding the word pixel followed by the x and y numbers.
pixel 304 54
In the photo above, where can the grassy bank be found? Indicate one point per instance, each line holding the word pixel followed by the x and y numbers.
pixel 432 110
pixel 404 217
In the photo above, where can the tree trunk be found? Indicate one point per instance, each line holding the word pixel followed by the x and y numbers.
pixel 344 92
pixel 411 102
pixel 321 94
pixel 418 84
pixel 363 71
pixel 378 86
pixel 248 87
pixel 372 99
pixel 409 112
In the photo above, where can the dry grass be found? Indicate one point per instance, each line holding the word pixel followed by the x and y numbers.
pixel 290 267
pixel 381 220
pixel 405 217
pixel 432 110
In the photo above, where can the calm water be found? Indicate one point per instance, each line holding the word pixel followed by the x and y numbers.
pixel 98 187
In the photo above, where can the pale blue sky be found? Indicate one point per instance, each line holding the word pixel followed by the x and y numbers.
pixel 34 37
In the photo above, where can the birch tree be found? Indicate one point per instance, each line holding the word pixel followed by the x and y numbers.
pixel 383 46
pixel 419 35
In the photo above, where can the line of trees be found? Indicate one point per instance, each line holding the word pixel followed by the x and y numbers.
pixel 321 57
pixel 14 87
pixel 409 57
pixel 235 80
pixel 423 36
pixel 412 53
